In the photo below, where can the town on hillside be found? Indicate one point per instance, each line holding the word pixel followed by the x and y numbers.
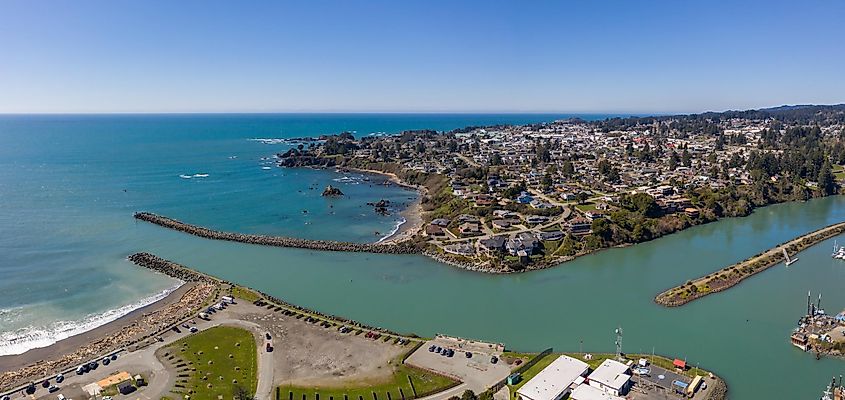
pixel 518 197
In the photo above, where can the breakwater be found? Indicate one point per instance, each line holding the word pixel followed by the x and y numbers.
pixel 732 275
pixel 179 271
pixel 278 241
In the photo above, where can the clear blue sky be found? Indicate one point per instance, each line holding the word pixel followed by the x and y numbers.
pixel 427 56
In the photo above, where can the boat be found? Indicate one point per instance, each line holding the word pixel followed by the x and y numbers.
pixel 183 176
pixel 789 261
pixel 838 251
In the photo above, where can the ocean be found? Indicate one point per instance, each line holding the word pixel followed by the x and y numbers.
pixel 69 186
pixel 70 183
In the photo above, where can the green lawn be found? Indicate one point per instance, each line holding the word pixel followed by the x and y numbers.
pixel 208 352
pixel 586 206
pixel 245 294
pixel 424 382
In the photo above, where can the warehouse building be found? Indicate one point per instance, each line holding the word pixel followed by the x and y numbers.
pixel 555 381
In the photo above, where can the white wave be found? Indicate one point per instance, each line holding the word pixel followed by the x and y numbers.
pixel 200 175
pixel 399 223
pixel 33 337
pixel 183 176
pixel 265 168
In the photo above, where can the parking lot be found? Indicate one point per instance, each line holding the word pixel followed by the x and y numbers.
pixel 477 371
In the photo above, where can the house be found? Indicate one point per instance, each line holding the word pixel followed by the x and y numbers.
pixel 483 200
pixel 580 226
pixel 587 392
pixel 461 249
pixel 470 228
pixel 555 381
pixel 501 224
pixel 523 241
pixel 553 235
pixel 524 198
pixel 442 222
pixel 691 212
pixel 434 231
pixel 611 377
pixel 536 219
pixel 594 214
pixel 493 245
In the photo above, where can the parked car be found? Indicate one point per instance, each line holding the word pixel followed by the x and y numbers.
pixel 80 370
pixel 106 361
pixel 431 349
pixel 194 329
pixel 267 335
pixel 53 389
pixel 60 378
pixel 469 354
pixel 494 359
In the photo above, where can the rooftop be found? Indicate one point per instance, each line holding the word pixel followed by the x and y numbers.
pixel 554 379
pixel 611 373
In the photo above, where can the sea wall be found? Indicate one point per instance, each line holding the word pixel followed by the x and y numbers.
pixel 181 272
pixel 732 275
pixel 278 241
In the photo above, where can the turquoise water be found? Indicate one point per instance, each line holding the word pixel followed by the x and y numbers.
pixel 65 224
pixel 69 185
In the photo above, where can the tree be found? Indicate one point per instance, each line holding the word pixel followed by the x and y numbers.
pixel 827 184
pixel 567 169
pixel 240 393
pixel 686 158
pixel 601 228
pixel 469 395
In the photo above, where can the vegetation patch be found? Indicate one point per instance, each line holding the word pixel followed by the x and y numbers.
pixel 406 380
pixel 222 360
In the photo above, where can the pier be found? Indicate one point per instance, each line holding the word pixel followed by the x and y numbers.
pixel 732 275
pixel 278 241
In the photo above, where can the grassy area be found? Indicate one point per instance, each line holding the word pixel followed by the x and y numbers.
pixel 224 358
pixel 534 370
pixel 586 206
pixel 245 294
pixel 424 383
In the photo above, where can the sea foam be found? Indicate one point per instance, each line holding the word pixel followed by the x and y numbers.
pixel 33 337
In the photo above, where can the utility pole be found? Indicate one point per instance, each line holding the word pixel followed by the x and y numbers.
pixel 619 342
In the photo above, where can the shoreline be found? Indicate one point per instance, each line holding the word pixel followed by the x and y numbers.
pixel 65 347
pixel 412 214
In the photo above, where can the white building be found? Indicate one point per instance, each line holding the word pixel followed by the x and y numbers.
pixel 554 381
pixel 611 377
pixel 587 392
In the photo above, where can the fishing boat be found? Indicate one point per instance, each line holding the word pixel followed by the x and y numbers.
pixel 789 261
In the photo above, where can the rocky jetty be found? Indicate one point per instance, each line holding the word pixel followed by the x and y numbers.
pixel 278 241
pixel 187 274
pixel 169 268
pixel 331 191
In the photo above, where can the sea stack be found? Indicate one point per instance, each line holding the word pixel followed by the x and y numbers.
pixel 332 191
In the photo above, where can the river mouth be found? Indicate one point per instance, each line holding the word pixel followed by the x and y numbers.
pixel 67 226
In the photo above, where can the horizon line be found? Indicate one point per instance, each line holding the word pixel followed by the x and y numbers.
pixel 407 112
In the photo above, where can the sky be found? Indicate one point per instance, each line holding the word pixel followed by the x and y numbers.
pixel 63 56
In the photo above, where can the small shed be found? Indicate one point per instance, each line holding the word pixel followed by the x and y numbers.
pixel 680 364
pixel 513 379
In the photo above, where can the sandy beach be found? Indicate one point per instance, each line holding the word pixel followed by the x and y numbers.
pixel 103 339
pixel 412 214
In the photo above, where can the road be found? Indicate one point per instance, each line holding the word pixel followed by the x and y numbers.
pixel 160 378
